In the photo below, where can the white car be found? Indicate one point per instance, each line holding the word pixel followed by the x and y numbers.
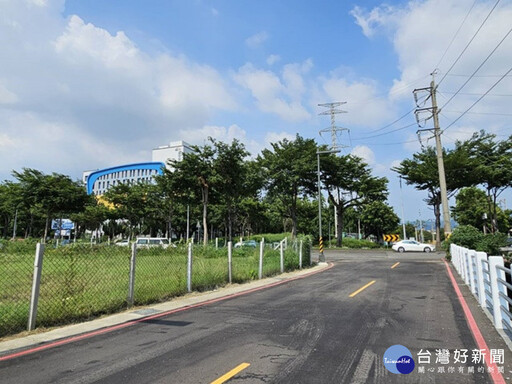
pixel 147 242
pixel 412 246
pixel 123 243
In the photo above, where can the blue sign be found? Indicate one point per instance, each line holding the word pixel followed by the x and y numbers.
pixel 62 224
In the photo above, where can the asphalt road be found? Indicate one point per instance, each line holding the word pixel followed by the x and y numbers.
pixel 305 331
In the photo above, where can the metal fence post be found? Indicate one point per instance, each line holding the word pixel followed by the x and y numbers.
pixel 471 271
pixel 131 284
pixel 230 260
pixel 495 273
pixel 310 246
pixel 300 255
pixel 479 256
pixel 281 252
pixel 216 243
pixel 189 268
pixel 262 250
pixel 34 298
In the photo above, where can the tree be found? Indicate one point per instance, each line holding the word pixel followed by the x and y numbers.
pixel 349 183
pixel 378 218
pixel 290 172
pixel 11 206
pixel 422 172
pixel 232 179
pixel 472 208
pixel 195 175
pixel 54 195
pixel 129 202
pixel 491 164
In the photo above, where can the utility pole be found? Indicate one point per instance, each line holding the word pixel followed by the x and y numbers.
pixel 421 229
pixel 402 200
pixel 439 148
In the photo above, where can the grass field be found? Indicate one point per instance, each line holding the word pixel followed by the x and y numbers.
pixel 81 282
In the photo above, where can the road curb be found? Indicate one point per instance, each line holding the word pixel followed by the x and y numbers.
pixel 10 349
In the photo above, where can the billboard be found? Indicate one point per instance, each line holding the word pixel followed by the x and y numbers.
pixel 65 224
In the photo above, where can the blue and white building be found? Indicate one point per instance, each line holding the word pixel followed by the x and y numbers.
pixel 99 181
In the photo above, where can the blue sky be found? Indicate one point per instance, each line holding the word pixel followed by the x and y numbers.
pixel 92 84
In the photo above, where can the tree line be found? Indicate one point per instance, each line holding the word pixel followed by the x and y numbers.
pixel 220 187
pixel 478 171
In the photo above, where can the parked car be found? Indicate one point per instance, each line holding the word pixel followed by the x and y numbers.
pixel 247 243
pixel 122 243
pixel 147 242
pixel 412 246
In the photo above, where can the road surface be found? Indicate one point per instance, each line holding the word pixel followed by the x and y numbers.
pixel 332 327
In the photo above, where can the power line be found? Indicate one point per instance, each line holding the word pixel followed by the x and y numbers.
pixel 394 122
pixel 480 98
pixel 480 66
pixel 475 94
pixel 460 75
pixel 402 142
pixel 469 43
pixel 456 34
pixel 395 91
pixel 482 113
pixel 385 133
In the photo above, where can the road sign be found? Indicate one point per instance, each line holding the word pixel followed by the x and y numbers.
pixel 392 238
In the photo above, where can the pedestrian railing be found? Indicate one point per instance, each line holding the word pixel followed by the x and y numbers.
pixel 489 280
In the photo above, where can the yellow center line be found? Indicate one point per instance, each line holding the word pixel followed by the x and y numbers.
pixel 395 265
pixel 362 288
pixel 230 374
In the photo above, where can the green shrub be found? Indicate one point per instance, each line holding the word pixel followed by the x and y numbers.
pixel 18 246
pixel 470 237
pixel 491 243
pixel 464 236
pixel 349 242
pixel 269 237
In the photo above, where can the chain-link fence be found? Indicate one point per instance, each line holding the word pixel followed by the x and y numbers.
pixel 83 281
pixel 159 274
pixel 80 281
pixel 16 269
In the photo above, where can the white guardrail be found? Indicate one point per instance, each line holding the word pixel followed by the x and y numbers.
pixel 487 278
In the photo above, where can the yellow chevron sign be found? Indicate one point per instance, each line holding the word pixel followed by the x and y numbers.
pixel 392 238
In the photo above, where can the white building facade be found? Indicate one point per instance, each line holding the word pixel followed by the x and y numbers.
pixel 99 181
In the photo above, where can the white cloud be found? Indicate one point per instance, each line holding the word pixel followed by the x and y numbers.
pixel 6 141
pixel 364 106
pixel 272 59
pixel 395 163
pixel 272 96
pixel 256 40
pixel 87 98
pixel 81 41
pixel 225 134
pixel 6 96
pixel 371 21
pixel 419 53
pixel 274 137
pixel 364 153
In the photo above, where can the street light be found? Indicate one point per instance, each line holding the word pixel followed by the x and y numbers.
pixel 321 256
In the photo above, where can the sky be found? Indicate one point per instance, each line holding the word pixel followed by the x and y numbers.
pixel 93 84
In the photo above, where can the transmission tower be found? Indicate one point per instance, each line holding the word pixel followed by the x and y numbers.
pixel 333 129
